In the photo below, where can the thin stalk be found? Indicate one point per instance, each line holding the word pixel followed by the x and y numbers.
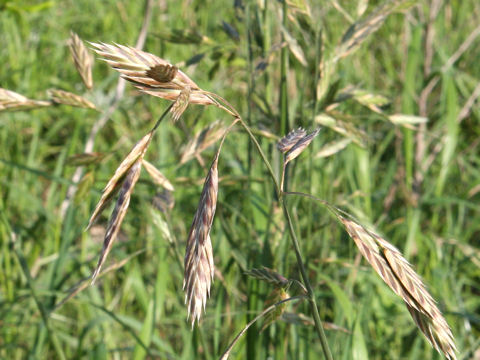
pixel 301 265
pixel 310 293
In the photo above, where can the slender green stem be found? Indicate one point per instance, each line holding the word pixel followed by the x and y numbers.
pixel 264 158
pixel 310 293
pixel 301 265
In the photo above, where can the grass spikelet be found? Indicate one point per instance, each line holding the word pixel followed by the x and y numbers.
pixel 269 276
pixel 145 70
pixel 301 145
pixel 202 140
pixel 81 58
pixel 180 105
pixel 112 186
pixel 199 267
pixel 68 98
pixel 13 101
pixel 118 214
pixel 399 275
pixel 362 29
pixel 289 140
pixel 157 176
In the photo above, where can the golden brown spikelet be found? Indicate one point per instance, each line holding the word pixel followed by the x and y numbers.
pixel 118 214
pixel 112 186
pixel 138 67
pixel 13 101
pixel 180 105
pixel 157 176
pixel 68 98
pixel 399 275
pixel 81 58
pixel 199 267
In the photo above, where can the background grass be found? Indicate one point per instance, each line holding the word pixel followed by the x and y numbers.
pixel 424 203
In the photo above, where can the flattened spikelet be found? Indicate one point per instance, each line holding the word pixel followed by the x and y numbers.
pixel 118 214
pixel 180 105
pixel 199 267
pixel 68 98
pixel 137 152
pixel 13 101
pixel 81 58
pixel 399 275
pixel 301 145
pixel 289 140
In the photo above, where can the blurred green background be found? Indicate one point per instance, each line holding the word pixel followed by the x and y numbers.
pixel 396 94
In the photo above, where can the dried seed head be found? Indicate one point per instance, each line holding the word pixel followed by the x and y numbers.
pixel 163 73
pixel 68 98
pixel 398 274
pixel 289 140
pixel 180 105
pixel 13 101
pixel 301 145
pixel 118 214
pixel 82 59
pixel 199 267
pixel 112 186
